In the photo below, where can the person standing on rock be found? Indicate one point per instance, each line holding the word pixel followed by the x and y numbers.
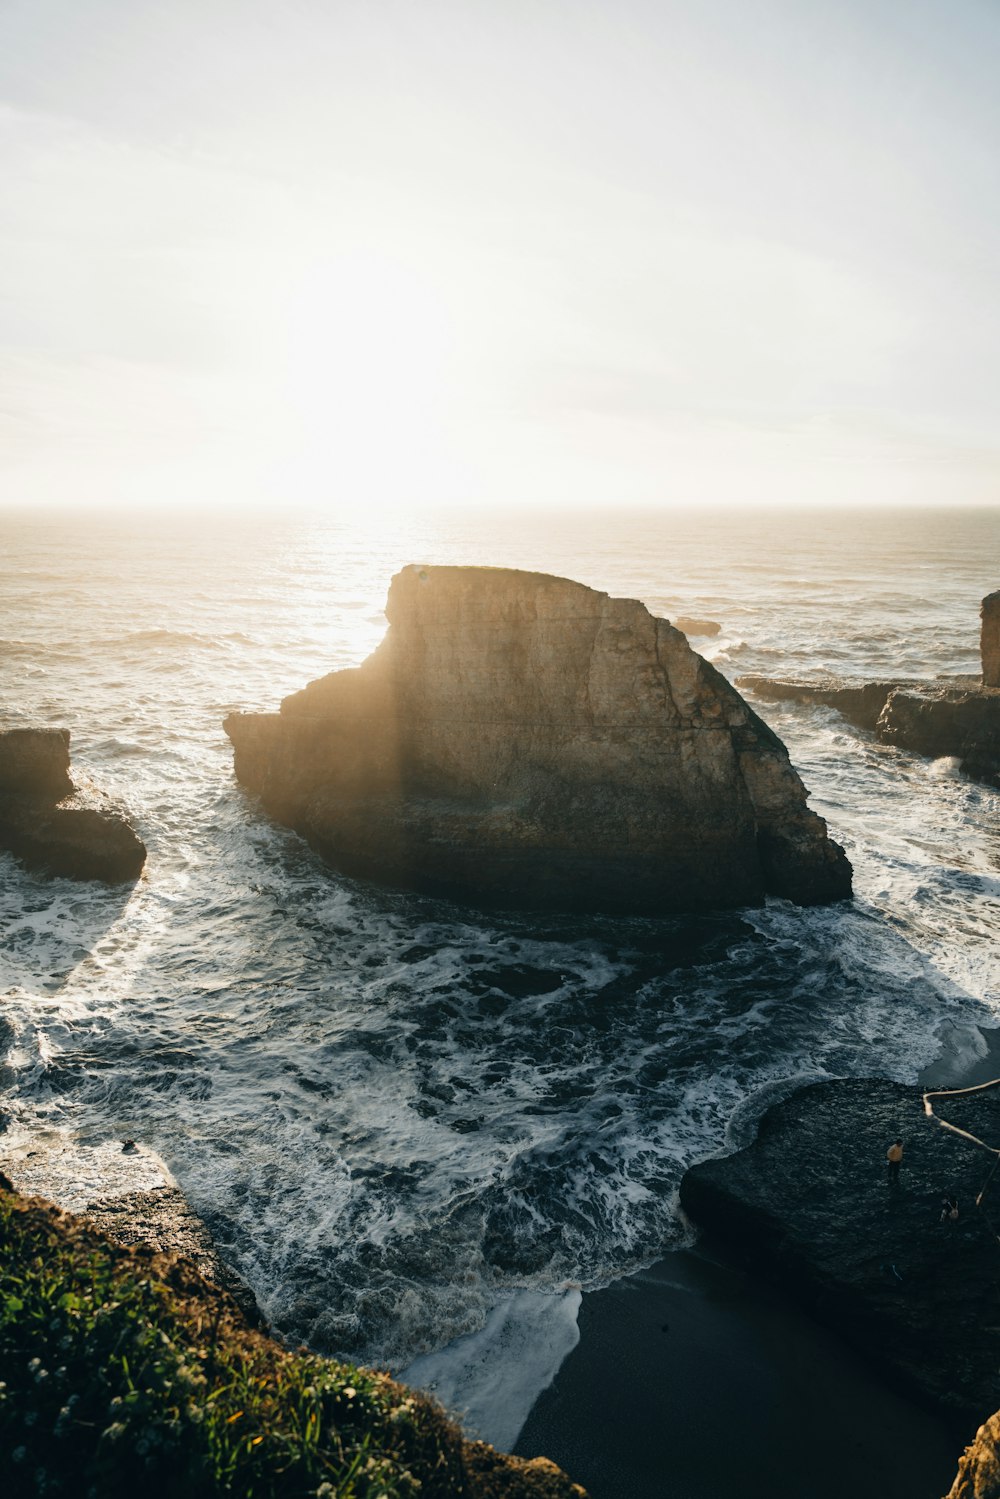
pixel 894 1157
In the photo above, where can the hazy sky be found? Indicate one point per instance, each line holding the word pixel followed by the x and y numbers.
pixel 361 252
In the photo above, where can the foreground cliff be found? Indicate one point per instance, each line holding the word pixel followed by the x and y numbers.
pixel 125 1372
pixel 523 740
pixel 124 1189
pixel 810 1203
pixel 54 826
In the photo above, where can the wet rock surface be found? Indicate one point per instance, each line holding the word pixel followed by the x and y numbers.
pixel 54 826
pixel 955 716
pixel 130 1196
pixel 949 717
pixel 523 740
pixel 810 1204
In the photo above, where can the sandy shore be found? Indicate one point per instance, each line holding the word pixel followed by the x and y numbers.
pixel 695 1380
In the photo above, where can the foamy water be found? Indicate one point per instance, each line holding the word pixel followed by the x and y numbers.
pixel 416 1129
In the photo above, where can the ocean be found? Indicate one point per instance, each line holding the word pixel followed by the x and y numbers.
pixel 418 1130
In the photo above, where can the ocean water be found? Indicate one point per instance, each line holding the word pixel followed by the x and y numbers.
pixel 415 1129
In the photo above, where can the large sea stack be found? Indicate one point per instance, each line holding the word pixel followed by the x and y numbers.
pixel 522 740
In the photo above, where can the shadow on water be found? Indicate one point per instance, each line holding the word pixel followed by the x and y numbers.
pixel 52 926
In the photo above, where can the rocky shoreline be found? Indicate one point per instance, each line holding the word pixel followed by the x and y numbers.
pixel 126 1191
pixel 948 717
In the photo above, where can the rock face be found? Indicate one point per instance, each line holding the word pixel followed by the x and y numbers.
pixel 989 640
pixel 978 1474
pixel 522 740
pixel 811 1204
pixel 52 825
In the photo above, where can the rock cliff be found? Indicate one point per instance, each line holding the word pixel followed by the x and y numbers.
pixel 523 740
pixel 810 1203
pixel 989 639
pixel 54 826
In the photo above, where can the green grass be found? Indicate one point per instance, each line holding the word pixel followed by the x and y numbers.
pixel 125 1373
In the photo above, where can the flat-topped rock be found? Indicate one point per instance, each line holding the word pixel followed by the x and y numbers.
pixel 522 740
pixel 54 826
pixel 810 1203
pixel 696 626
pixel 860 703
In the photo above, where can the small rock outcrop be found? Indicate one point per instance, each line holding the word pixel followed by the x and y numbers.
pixel 978 1474
pixel 860 703
pixel 522 740
pixel 54 826
pixel 948 717
pixel 697 626
pixel 811 1204
pixel 953 716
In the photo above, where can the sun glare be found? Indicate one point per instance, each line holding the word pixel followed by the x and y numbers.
pixel 367 380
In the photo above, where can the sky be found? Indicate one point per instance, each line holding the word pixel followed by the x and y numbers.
pixel 366 255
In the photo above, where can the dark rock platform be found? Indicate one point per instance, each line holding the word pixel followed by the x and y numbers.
pixel 809 1204
pixel 54 826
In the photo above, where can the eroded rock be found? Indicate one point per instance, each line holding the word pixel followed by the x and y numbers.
pixel 948 717
pixel 130 1196
pixel 978 1474
pixel 523 740
pixel 54 826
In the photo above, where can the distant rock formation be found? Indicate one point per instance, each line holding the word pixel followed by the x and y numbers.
pixel 522 740
pixel 951 716
pixel 53 826
pixel 696 626
pixel 810 1204
pixel 989 639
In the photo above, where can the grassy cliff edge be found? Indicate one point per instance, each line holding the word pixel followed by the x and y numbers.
pixel 124 1371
